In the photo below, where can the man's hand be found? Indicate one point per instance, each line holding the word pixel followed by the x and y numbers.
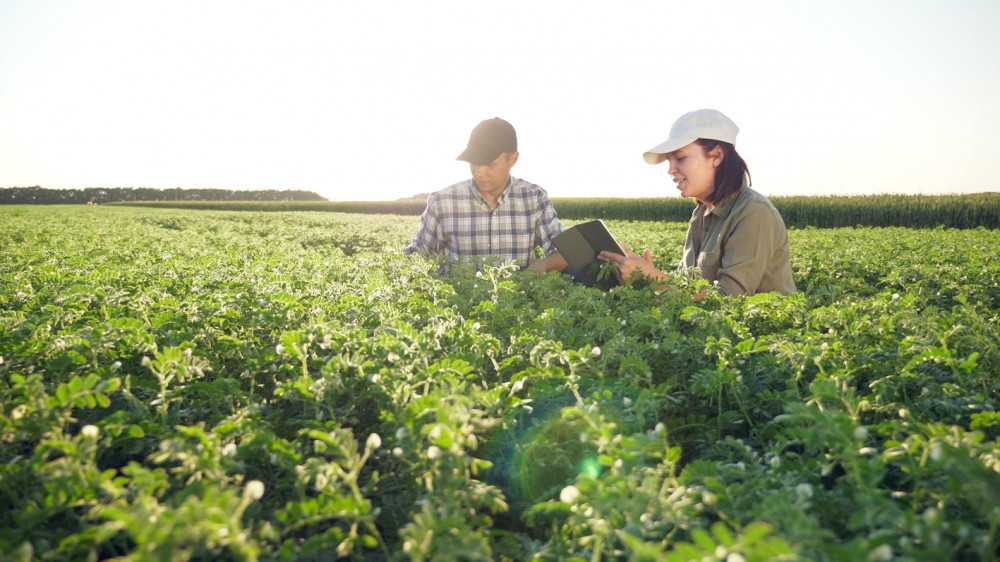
pixel 551 262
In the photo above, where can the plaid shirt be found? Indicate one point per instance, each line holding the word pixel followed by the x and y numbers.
pixel 459 223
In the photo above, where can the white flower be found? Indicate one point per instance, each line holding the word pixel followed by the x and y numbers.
pixel 937 453
pixel 860 432
pixel 279 349
pixel 401 432
pixel 229 449
pixel 881 552
pixel 89 431
pixel 517 387
pixel 595 351
pixel 397 451
pixel 569 494
pixel 254 490
pixel 661 429
pixel 433 452
pixel 373 442
pixel 804 491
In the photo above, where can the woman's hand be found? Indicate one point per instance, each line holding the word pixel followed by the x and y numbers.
pixel 631 263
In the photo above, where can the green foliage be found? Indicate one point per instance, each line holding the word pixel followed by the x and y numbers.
pixel 972 210
pixel 286 386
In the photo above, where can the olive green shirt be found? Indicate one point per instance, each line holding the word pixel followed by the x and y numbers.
pixel 741 245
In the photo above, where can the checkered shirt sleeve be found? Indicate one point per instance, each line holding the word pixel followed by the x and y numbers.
pixel 458 223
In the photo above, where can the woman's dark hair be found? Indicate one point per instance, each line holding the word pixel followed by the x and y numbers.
pixel 733 172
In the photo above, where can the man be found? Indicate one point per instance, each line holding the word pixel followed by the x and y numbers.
pixel 492 213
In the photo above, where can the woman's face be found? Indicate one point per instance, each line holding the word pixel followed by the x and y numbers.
pixel 693 170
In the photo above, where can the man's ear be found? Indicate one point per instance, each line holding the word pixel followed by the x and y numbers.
pixel 513 158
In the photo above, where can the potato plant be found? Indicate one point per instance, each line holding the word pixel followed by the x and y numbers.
pixel 240 385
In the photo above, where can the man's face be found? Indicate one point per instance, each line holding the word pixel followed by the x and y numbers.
pixel 493 178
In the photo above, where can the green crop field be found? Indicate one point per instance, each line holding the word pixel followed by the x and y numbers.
pixel 184 384
pixel 970 210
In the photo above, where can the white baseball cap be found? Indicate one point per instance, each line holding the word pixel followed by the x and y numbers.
pixel 694 125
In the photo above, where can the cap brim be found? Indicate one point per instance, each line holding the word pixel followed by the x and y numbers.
pixel 659 152
pixel 479 157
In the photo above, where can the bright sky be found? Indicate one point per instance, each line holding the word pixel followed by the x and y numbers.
pixel 364 100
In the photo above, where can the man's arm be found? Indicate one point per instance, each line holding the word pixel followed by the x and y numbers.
pixel 552 262
pixel 546 228
pixel 427 240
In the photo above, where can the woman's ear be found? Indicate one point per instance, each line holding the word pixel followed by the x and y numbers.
pixel 717 155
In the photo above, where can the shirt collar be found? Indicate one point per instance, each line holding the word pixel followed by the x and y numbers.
pixel 724 207
pixel 500 200
pixel 506 192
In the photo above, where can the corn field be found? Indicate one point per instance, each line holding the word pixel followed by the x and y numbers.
pixel 910 211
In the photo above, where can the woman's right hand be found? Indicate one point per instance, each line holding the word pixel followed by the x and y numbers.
pixel 631 263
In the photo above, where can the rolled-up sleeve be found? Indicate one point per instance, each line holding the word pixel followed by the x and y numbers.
pixel 428 240
pixel 547 226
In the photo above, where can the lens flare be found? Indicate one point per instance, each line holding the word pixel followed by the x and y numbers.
pixel 548 451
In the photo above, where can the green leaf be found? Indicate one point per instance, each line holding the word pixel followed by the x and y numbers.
pixel 703 539
pixel 754 532
pixel 723 534
pixel 62 393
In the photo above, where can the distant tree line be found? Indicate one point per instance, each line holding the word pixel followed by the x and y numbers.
pixel 97 195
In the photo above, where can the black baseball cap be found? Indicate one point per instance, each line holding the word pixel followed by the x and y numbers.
pixel 489 140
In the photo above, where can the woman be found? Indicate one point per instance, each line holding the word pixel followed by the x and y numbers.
pixel 736 237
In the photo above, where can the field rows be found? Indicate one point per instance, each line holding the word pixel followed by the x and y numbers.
pixel 180 384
